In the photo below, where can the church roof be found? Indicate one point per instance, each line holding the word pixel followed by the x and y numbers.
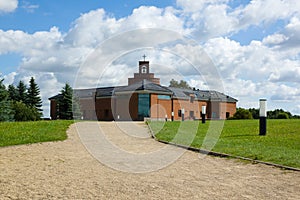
pixel 204 95
pixel 144 85
pixel 147 86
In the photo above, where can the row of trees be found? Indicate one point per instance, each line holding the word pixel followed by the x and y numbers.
pixel 182 84
pixel 20 103
pixel 253 113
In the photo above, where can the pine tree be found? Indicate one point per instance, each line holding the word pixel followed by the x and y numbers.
pixel 33 95
pixel 6 113
pixel 22 95
pixel 65 103
pixel 12 93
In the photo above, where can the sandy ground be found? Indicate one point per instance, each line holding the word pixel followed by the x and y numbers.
pixel 66 170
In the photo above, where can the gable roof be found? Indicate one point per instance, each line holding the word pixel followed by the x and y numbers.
pixel 144 86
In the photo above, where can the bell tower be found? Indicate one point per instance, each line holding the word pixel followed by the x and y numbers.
pixel 144 73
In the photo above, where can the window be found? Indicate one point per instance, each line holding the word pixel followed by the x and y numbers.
pixel 164 97
pixel 227 115
pixel 192 115
pixel 179 113
pixel 144 69
pixel 143 105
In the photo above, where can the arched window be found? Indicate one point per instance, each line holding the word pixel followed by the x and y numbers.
pixel 144 69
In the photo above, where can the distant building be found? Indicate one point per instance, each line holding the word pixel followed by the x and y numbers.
pixel 144 97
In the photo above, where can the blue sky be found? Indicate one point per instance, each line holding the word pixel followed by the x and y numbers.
pixel 254 45
pixel 38 15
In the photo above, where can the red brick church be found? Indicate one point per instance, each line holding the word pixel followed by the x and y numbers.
pixel 144 97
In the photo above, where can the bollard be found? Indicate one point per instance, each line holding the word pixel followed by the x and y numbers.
pixel 203 114
pixel 262 117
pixel 182 114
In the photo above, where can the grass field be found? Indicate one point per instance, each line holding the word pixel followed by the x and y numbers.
pixel 281 145
pixel 14 133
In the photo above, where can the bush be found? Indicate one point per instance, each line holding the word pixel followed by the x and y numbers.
pixel 242 113
pixel 25 113
pixel 283 115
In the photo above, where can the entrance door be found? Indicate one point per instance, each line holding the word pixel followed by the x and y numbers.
pixel 192 116
pixel 143 106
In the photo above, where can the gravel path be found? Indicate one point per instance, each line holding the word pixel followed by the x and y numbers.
pixel 68 170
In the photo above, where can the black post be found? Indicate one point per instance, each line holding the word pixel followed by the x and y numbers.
pixel 262 125
pixel 262 117
pixel 182 114
pixel 172 116
pixel 203 113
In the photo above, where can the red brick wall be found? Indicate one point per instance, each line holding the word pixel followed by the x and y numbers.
pixel 159 108
pixel 229 108
pixel 103 109
pixel 87 107
pixel 53 109
pixel 126 106
pixel 220 109
pixel 195 107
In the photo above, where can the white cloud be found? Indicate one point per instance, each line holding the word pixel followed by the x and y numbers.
pixel 91 28
pixel 296 110
pixel 195 6
pixel 258 11
pixel 274 39
pixel 8 5
pixel 30 8
pixel 267 67
pixel 153 17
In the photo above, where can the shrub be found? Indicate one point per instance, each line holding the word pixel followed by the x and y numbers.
pixel 242 113
pixel 283 115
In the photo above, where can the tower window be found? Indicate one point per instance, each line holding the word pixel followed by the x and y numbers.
pixel 144 69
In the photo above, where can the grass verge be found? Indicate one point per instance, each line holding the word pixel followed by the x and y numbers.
pixel 281 145
pixel 14 133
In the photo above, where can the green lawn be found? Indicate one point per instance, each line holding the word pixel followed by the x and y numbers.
pixel 13 133
pixel 281 145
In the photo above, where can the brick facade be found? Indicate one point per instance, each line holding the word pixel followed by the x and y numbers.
pixel 128 102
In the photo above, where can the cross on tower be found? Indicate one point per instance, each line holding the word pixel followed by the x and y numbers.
pixel 144 56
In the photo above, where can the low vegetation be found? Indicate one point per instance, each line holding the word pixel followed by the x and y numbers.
pixel 253 113
pixel 14 133
pixel 281 145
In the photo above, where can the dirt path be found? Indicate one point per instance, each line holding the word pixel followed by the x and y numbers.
pixel 66 170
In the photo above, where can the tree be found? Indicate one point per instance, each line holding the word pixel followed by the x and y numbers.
pixel 242 113
pixel 6 113
pixel 274 114
pixel 33 95
pixel 12 93
pixel 22 95
pixel 24 112
pixel 254 112
pixel 65 103
pixel 283 115
pixel 182 84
